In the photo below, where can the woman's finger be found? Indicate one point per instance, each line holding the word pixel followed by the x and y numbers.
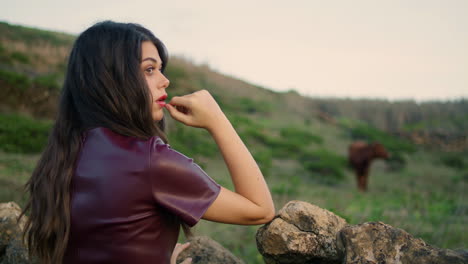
pixel 176 114
pixel 180 101
pixel 182 109
pixel 181 247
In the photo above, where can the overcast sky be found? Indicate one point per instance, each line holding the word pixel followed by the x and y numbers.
pixel 394 49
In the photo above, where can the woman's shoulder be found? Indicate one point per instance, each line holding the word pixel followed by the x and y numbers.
pixel 102 136
pixel 164 151
pixel 158 149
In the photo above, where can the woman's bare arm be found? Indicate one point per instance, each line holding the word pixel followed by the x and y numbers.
pixel 251 203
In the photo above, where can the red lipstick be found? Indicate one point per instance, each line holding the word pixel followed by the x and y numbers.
pixel 161 99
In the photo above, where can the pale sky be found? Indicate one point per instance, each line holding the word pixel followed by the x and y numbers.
pixel 393 49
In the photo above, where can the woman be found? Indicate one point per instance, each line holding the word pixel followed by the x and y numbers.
pixel 108 188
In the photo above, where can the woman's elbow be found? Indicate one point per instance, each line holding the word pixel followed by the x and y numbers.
pixel 269 216
pixel 266 217
pixel 270 213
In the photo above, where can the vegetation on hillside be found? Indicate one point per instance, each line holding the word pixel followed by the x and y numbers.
pixel 299 143
pixel 20 134
pixel 32 36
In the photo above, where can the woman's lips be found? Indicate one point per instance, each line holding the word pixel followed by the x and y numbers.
pixel 161 99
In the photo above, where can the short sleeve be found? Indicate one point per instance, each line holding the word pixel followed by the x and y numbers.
pixel 178 184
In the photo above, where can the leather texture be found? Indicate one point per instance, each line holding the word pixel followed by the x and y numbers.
pixel 128 198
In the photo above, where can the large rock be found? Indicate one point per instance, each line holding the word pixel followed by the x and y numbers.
pixel 305 233
pixel 12 250
pixel 301 233
pixel 204 250
pixel 380 243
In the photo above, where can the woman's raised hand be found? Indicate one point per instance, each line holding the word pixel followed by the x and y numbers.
pixel 251 203
pixel 198 109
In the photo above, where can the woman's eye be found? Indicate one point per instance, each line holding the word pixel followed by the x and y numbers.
pixel 150 70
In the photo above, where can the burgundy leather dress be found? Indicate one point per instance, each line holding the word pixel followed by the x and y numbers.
pixel 128 197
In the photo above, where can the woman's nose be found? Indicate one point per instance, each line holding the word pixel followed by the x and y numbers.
pixel 165 82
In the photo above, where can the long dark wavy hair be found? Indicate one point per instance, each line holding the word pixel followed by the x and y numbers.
pixel 103 87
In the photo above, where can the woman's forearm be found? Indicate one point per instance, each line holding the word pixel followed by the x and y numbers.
pixel 247 178
pixel 251 202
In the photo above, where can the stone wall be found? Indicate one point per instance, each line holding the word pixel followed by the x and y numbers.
pixel 300 233
pixel 12 250
pixel 305 233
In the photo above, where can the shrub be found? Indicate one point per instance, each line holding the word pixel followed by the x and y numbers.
pixel 240 121
pixel 4 56
pixel 20 57
pixel 288 187
pixel 192 142
pixel 293 142
pixel 245 105
pixel 327 166
pixel 396 162
pixel 49 82
pixel 283 189
pixel 255 134
pixel 453 160
pixel 14 79
pixel 22 134
pixel 264 161
pixel 250 106
pixel 300 136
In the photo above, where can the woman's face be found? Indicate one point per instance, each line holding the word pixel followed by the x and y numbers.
pixel 151 65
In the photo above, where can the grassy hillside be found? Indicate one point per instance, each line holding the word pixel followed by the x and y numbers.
pixel 300 144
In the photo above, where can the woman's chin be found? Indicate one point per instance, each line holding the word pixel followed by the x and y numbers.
pixel 158 116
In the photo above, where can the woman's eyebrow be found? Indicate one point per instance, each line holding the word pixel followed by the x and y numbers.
pixel 151 59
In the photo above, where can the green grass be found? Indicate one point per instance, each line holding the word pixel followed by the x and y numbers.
pixel 427 197
pixel 48 82
pixel 20 57
pixel 454 160
pixel 15 170
pixel 21 81
pixel 22 134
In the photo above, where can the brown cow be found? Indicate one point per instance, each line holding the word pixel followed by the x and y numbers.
pixel 360 156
